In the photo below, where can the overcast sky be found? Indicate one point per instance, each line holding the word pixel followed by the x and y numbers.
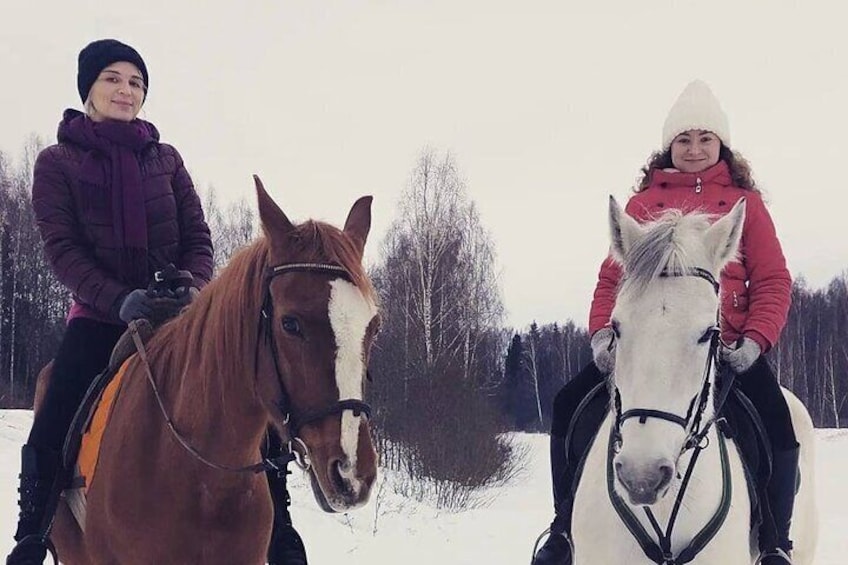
pixel 548 107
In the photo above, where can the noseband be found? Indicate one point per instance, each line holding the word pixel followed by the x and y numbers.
pixel 296 420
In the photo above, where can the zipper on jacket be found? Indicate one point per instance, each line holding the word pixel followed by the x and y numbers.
pixel 735 300
pixel 698 186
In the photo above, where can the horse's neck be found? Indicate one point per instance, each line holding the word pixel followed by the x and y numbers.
pixel 213 402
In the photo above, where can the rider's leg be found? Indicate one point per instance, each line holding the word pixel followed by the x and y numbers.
pixel 556 549
pixel 762 388
pixel 84 352
pixel 286 546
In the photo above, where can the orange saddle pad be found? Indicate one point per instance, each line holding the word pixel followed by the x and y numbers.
pixel 90 446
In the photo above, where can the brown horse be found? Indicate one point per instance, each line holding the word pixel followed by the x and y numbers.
pixel 281 337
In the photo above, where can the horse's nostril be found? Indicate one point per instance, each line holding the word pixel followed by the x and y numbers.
pixel 337 469
pixel 666 472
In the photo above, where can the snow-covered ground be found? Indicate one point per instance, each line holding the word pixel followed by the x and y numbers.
pixel 391 530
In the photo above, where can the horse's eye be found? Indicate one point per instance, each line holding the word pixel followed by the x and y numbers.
pixel 291 326
pixel 708 335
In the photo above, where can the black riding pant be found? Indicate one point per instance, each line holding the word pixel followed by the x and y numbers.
pixel 763 390
pixel 83 354
pixel 570 396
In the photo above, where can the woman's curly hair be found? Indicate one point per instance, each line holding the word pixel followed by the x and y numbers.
pixel 740 169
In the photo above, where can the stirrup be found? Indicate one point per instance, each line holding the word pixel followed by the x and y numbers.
pixel 776 552
pixel 37 539
pixel 548 533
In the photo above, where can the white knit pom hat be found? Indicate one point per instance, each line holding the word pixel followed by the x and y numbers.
pixel 696 108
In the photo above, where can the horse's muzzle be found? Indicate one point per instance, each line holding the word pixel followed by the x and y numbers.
pixel 342 487
pixel 644 483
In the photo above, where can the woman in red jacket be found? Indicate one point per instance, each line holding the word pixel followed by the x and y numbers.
pixel 113 205
pixel 696 169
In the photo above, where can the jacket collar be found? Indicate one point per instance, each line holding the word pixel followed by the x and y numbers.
pixel 717 174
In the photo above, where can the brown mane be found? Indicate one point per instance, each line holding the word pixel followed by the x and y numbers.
pixel 215 339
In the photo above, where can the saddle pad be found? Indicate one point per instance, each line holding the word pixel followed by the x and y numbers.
pixel 90 448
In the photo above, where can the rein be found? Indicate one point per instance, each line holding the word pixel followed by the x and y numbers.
pixel 696 440
pixel 267 464
pixel 297 450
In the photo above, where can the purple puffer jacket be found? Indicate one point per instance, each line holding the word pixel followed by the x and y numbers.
pixel 74 217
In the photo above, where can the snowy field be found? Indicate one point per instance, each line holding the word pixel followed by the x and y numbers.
pixel 391 530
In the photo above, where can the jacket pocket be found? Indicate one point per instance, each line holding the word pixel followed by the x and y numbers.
pixel 734 310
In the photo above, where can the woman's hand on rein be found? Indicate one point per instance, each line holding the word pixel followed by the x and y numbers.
pixel 603 350
pixel 743 356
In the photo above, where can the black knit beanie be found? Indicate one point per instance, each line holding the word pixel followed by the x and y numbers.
pixel 98 55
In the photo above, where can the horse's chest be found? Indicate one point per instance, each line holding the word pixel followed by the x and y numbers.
pixel 593 513
pixel 233 506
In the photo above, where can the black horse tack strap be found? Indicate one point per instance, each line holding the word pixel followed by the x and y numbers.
pixel 696 440
pixel 295 421
pixel 660 552
pixel 265 465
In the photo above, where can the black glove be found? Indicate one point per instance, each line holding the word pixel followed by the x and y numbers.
pixel 137 304
pixel 185 295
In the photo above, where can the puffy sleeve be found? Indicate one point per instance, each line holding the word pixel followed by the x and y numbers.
pixel 67 250
pixel 769 281
pixel 195 239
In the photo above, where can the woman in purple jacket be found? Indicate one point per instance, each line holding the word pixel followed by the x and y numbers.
pixel 113 206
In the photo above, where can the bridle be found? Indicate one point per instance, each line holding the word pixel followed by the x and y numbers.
pixel 691 422
pixel 696 439
pixel 293 420
pixel 297 450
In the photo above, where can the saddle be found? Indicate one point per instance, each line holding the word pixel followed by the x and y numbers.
pixel 738 420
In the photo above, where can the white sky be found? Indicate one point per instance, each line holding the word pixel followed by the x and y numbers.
pixel 548 107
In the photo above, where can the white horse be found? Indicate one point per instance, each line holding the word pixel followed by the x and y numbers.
pixel 665 319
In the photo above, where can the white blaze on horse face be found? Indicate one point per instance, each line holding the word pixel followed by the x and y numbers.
pixel 350 313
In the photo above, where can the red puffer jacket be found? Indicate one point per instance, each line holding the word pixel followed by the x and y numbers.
pixel 755 291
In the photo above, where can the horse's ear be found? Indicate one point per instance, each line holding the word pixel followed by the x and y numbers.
pixel 624 230
pixel 274 221
pixel 723 237
pixel 358 222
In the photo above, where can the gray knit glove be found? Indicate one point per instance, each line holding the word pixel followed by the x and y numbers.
pixel 137 304
pixel 742 356
pixel 603 350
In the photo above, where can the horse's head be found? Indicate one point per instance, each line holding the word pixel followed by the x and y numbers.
pixel 665 321
pixel 319 321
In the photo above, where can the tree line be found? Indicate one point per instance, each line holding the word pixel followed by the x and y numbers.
pixel 449 377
